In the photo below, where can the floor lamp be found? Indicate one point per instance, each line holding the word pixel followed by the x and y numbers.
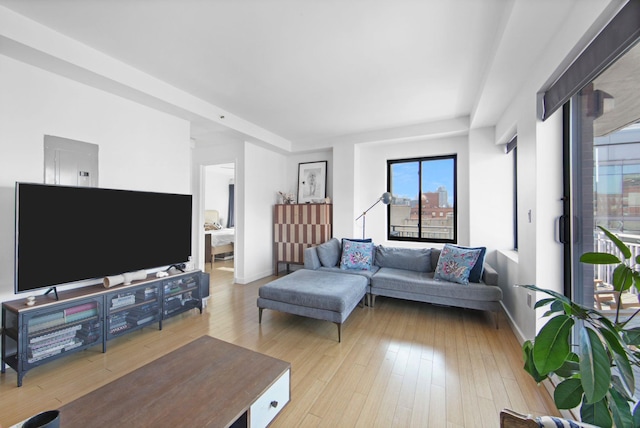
pixel 385 199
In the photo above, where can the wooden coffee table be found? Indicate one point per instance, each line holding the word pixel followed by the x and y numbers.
pixel 205 383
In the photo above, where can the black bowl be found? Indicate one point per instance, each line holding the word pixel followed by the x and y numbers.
pixel 48 419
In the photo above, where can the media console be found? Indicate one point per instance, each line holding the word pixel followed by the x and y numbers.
pixel 90 316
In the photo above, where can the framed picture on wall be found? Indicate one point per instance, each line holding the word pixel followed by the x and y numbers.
pixel 312 182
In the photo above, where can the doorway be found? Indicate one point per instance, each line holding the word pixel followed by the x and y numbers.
pixel 219 213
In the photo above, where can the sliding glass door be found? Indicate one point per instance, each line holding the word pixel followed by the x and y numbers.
pixel 604 174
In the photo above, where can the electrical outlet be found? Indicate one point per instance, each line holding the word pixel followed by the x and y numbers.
pixel 529 300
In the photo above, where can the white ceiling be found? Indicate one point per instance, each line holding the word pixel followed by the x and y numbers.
pixel 311 70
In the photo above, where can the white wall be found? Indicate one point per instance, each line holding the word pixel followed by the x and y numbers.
pixel 549 257
pixel 140 148
pixel 265 171
pixel 539 258
pixel 345 171
pixel 490 193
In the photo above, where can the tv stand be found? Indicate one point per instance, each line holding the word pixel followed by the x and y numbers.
pixel 89 316
pixel 55 291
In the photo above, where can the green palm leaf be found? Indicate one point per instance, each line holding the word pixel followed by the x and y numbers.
pixel 620 409
pixel 626 252
pixel 596 413
pixel 622 278
pixel 595 370
pixel 620 357
pixel 551 347
pixel 568 393
pixel 599 259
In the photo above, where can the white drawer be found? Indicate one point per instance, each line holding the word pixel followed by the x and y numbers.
pixel 269 404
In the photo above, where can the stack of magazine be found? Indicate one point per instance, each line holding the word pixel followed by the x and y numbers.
pixel 48 335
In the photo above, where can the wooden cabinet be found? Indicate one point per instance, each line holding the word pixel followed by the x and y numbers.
pixel 297 227
pixel 89 316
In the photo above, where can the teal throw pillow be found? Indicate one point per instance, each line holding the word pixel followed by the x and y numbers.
pixel 455 264
pixel 476 271
pixel 356 255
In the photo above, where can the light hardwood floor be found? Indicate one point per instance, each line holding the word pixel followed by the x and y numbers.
pixel 399 364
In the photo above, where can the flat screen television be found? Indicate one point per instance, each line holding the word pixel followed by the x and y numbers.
pixel 68 234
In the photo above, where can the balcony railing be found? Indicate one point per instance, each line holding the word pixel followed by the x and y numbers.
pixel 603 274
pixel 604 245
pixel 429 232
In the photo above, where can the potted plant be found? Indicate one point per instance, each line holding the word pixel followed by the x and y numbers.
pixel 596 372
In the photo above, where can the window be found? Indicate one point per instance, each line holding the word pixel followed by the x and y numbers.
pixel 423 207
pixel 512 148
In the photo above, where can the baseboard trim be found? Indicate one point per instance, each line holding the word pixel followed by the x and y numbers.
pixel 514 327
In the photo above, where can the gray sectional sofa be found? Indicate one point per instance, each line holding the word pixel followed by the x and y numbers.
pixel 408 273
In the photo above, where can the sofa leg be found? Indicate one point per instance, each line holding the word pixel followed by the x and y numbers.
pixel 259 315
pixel 495 315
pixel 372 300
pixel 361 304
pixel 339 331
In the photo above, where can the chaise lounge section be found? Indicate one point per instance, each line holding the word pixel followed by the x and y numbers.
pixel 326 296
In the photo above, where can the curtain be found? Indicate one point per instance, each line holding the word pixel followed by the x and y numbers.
pixel 230 217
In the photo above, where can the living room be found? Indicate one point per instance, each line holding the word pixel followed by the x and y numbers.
pixel 151 137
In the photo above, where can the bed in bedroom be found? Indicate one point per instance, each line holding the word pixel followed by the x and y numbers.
pixel 218 240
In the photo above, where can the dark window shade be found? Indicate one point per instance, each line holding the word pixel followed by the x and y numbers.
pixel 615 39
pixel 512 144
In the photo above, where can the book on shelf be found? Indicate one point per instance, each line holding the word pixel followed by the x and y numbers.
pixel 44 322
pixel 77 316
pixel 55 333
pixel 123 300
pixel 80 308
pixel 148 293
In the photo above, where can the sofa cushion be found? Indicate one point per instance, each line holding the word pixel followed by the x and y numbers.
pixel 424 283
pixel 313 289
pixel 435 256
pixel 329 252
pixel 356 255
pixel 476 271
pixel 366 273
pixel 455 264
pixel 415 259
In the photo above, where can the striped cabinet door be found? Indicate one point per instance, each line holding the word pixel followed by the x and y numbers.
pixel 297 227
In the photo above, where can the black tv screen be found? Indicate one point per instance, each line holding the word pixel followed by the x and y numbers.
pixel 67 234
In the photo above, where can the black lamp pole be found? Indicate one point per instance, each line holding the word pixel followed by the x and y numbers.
pixel 385 199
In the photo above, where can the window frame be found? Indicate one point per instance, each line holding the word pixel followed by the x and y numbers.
pixel 420 161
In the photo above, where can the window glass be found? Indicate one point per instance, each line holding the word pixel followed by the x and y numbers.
pixel 605 145
pixel 423 207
